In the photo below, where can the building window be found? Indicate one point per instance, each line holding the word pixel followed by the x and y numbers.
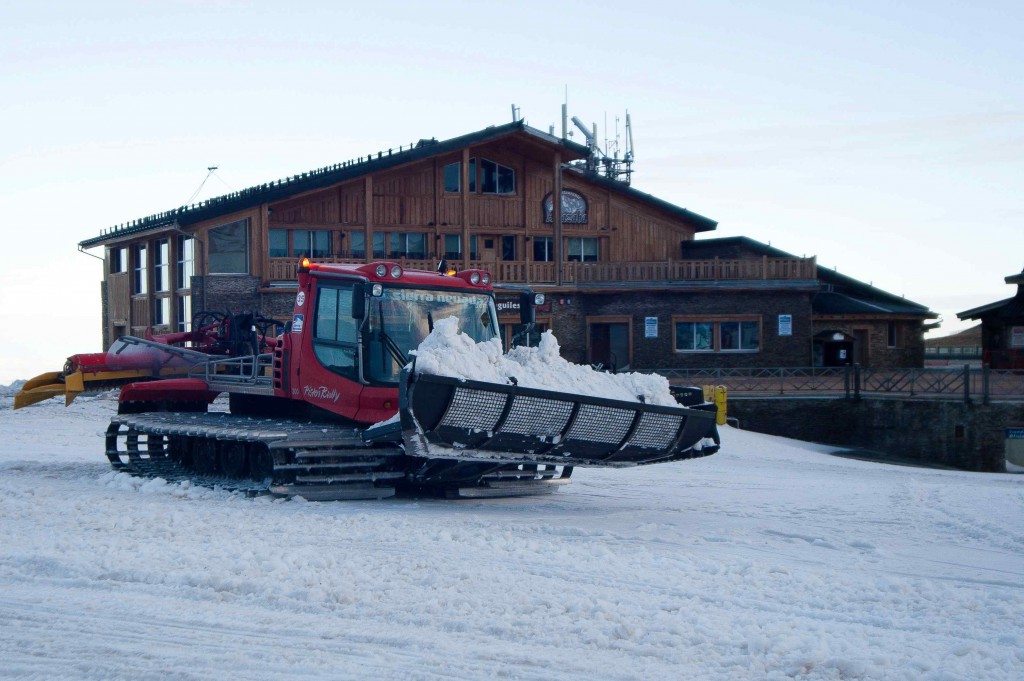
pixel 161 266
pixel 184 313
pixel 140 270
pixel 186 263
pixel 228 248
pixel 118 259
pixel 357 244
pixel 312 243
pixel 695 336
pixel 543 248
pixel 508 247
pixel 453 177
pixel 574 208
pixel 717 335
pixel 494 178
pixel 396 245
pixel 453 247
pixel 162 311
pixel 278 243
pixel 739 336
pixel 892 335
pixel 582 249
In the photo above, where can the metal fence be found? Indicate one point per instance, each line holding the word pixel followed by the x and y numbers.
pixel 970 384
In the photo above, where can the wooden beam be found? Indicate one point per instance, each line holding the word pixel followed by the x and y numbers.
pixel 368 214
pixel 556 216
pixel 465 208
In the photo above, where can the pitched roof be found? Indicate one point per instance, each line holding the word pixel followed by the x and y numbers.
pixel 695 220
pixel 325 177
pixel 839 294
pixel 341 172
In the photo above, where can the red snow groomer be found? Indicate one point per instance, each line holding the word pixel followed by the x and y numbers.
pixel 304 404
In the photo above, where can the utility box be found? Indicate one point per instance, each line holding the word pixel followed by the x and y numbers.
pixel 1015 446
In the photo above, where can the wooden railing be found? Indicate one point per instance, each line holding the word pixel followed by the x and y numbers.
pixel 531 272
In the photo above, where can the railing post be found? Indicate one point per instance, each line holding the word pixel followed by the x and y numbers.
pixel 967 384
pixel 985 385
pixel 846 381
pixel 856 381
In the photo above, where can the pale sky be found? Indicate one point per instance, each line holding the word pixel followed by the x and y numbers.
pixel 885 138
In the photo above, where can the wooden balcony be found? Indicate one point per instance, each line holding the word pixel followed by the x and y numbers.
pixel 591 273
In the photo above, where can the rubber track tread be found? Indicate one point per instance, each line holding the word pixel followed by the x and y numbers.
pixel 330 461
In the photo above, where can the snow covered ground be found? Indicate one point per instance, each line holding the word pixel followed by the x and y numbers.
pixel 770 560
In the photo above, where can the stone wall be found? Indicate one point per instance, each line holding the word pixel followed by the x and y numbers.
pixel 226 292
pixel 570 312
pixel 966 436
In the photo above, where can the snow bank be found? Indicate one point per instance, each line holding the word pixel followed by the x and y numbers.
pixel 448 352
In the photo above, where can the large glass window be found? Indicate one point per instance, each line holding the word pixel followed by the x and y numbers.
pixel 397 245
pixel 694 336
pixel 543 248
pixel 453 177
pixel 184 313
pixel 313 243
pixel 118 260
pixel 228 248
pixel 718 335
pixel 401 318
pixel 453 247
pixel 582 249
pixel 357 244
pixel 161 311
pixel 186 262
pixel 407 245
pixel 738 335
pixel 334 331
pixel 278 245
pixel 140 270
pixel 508 247
pixel 494 178
pixel 161 266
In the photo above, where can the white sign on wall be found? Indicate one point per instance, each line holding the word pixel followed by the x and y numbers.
pixel 650 327
pixel 1017 336
pixel 785 325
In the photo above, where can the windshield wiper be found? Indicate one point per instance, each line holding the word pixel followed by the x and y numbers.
pixel 388 342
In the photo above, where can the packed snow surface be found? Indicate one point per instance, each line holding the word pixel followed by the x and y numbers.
pixel 448 352
pixel 772 559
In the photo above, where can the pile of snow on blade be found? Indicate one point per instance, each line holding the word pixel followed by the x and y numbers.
pixel 448 352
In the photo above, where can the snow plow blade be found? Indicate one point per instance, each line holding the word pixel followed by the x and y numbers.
pixel 42 387
pixel 450 418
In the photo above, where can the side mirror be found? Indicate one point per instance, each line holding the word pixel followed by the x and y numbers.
pixel 358 301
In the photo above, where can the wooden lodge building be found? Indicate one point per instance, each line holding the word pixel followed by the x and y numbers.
pixel 627 285
pixel 1002 328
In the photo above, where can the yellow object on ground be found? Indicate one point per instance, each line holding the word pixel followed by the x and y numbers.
pixel 719 395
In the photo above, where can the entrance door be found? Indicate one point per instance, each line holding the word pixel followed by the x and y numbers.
pixel 609 346
pixel 838 354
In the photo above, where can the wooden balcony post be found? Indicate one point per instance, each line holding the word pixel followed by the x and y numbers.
pixel 368 214
pixel 556 217
pixel 465 208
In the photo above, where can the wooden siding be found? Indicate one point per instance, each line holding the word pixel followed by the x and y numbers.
pixel 118 308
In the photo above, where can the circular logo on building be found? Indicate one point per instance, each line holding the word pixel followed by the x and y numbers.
pixel 300 299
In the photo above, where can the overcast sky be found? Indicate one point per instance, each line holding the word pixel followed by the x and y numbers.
pixel 885 138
